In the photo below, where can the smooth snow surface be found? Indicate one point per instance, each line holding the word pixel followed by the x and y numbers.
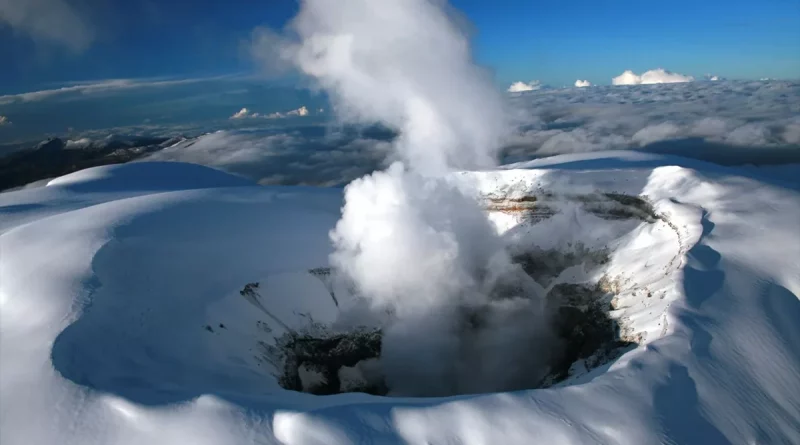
pixel 121 320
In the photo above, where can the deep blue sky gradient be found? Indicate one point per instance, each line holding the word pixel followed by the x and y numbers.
pixel 555 42
pixel 558 42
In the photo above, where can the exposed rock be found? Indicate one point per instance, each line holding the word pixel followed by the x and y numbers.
pixel 327 354
pixel 50 145
pixel 50 159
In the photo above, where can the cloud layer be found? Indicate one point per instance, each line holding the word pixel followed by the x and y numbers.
pixel 650 77
pixel 722 121
pixel 308 155
pixel 730 122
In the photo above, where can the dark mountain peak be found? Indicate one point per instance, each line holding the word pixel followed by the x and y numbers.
pixel 52 144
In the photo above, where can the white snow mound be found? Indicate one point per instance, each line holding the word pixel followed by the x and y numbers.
pixel 122 322
pixel 158 176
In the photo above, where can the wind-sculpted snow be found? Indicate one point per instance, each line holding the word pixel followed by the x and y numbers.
pixel 123 322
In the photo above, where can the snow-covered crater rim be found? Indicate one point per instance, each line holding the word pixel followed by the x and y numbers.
pixel 589 275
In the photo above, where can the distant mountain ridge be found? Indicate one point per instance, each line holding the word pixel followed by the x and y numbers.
pixel 54 157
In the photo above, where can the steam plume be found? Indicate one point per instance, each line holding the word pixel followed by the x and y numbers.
pixel 413 240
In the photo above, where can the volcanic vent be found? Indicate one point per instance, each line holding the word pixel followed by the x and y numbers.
pixel 571 245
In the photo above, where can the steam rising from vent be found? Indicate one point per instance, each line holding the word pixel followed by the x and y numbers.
pixel 415 242
pixel 408 65
pixel 412 243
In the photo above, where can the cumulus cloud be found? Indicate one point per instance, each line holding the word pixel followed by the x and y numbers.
pixel 245 113
pixel 58 22
pixel 519 87
pixel 241 114
pixel 302 111
pixel 4 121
pixel 582 83
pixel 650 77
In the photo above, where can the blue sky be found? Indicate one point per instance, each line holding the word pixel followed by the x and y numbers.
pixel 50 44
pixel 556 42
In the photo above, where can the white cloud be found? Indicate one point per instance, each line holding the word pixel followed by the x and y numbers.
pixel 4 121
pixel 705 119
pixel 102 86
pixel 657 132
pixel 51 21
pixel 579 140
pixel 245 113
pixel 302 111
pixel 241 114
pixel 582 83
pixel 78 144
pixel 650 77
pixel 791 134
pixel 709 127
pixel 288 159
pixel 752 134
pixel 519 87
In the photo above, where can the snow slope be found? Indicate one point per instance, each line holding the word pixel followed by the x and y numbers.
pixel 121 320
